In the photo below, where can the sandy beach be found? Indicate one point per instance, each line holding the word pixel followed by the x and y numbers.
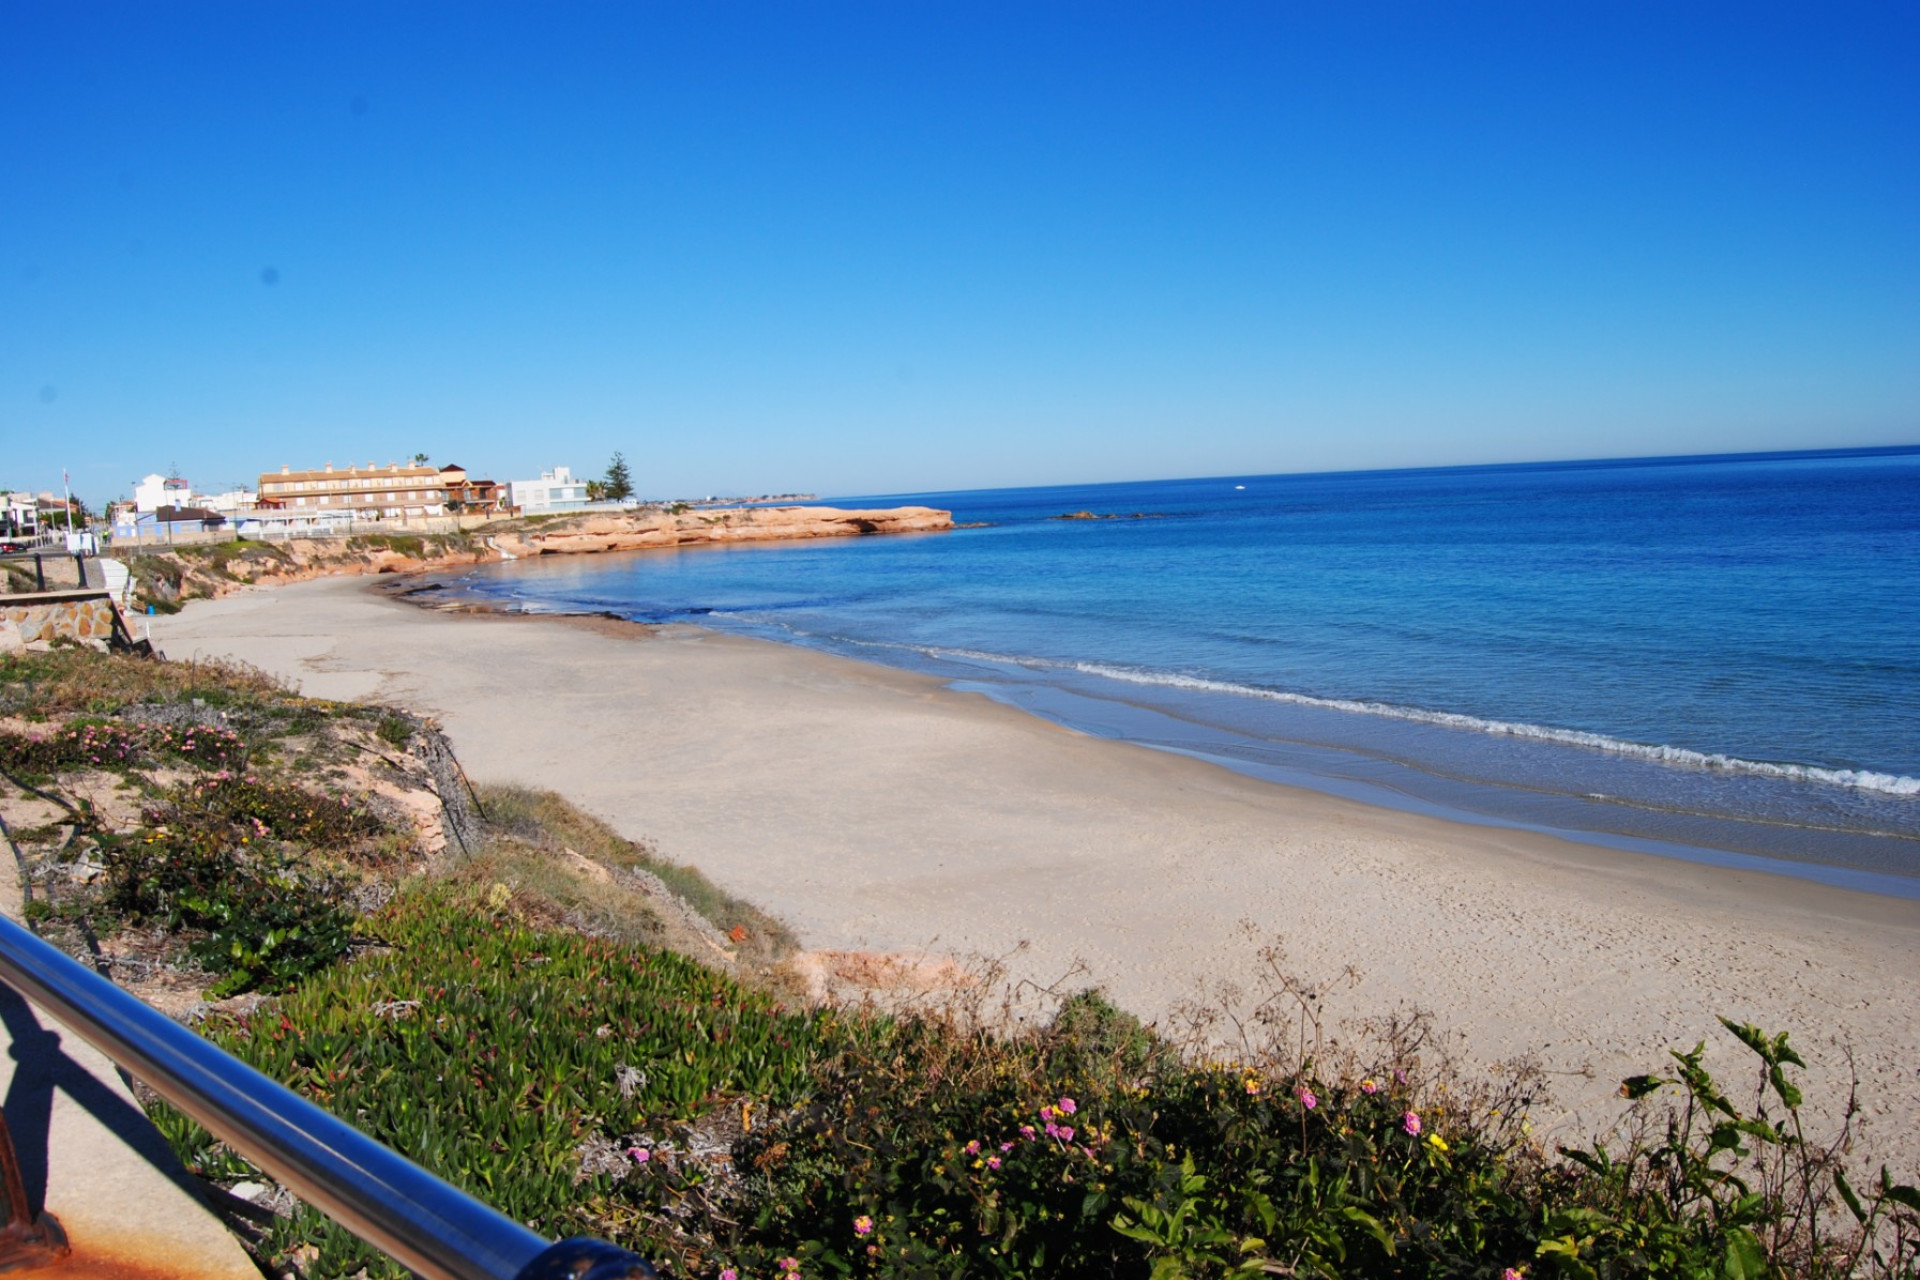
pixel 878 809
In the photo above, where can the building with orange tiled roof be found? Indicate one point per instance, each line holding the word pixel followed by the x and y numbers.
pixel 362 493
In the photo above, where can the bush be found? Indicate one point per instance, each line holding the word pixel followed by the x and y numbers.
pixel 582 1086
pixel 82 744
pixel 1090 1149
pixel 491 1055
pixel 212 862
pixel 84 680
pixel 394 730
pixel 1718 1191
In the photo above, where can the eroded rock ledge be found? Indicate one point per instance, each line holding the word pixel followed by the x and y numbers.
pixel 593 533
pixel 182 573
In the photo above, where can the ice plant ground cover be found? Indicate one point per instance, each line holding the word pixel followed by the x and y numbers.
pixel 505 1013
pixel 584 1085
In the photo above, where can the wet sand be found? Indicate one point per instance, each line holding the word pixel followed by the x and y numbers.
pixel 878 809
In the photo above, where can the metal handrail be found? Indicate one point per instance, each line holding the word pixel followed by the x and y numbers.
pixel 438 1231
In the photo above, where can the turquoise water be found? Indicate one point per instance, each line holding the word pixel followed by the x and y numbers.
pixel 1712 657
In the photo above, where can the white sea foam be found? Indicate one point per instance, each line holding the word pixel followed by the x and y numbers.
pixel 1683 757
pixel 1859 779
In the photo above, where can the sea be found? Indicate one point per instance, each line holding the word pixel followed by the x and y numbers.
pixel 1711 658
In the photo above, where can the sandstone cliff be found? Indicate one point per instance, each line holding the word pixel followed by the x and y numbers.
pixel 165 577
pixel 585 534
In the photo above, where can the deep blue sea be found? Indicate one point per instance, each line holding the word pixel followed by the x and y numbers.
pixel 1713 657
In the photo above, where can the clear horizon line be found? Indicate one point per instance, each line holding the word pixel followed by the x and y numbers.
pixel 1624 460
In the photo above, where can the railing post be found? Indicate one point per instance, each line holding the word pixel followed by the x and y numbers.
pixel 27 1239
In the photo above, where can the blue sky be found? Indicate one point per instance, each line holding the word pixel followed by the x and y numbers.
pixel 919 246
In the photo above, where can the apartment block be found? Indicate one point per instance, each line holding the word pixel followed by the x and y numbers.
pixel 365 493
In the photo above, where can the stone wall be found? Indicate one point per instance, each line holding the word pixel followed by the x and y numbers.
pixel 86 616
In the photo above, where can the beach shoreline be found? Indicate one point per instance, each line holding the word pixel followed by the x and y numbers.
pixel 875 808
pixel 450 592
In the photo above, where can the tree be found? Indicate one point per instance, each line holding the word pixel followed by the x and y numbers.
pixel 596 490
pixel 59 518
pixel 419 459
pixel 619 481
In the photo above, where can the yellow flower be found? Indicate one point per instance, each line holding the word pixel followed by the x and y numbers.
pixel 1435 1141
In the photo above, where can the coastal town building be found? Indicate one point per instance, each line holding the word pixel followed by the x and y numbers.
pixel 128 523
pixel 466 494
pixel 555 490
pixel 20 517
pixel 166 507
pixel 150 493
pixel 357 493
pixel 230 503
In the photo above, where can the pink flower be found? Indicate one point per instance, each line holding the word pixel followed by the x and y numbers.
pixel 973 1148
pixel 1066 1133
pixel 1006 1146
pixel 1513 1273
pixel 1067 1106
pixel 863 1225
pixel 1307 1099
pixel 729 1274
pixel 1026 1131
pixel 790 1266
pixel 993 1162
pixel 640 1154
pixel 1053 1130
pixel 1046 1113
pixel 1411 1123
pixel 1369 1088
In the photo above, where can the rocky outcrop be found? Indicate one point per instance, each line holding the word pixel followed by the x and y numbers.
pixel 580 535
pixel 181 574
pixel 168 577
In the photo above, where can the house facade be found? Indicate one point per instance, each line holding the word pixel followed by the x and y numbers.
pixel 555 490
pixel 356 493
pixel 21 516
pixel 150 493
pixel 465 493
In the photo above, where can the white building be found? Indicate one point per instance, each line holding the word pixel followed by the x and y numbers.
pixel 229 504
pixel 555 490
pixel 21 518
pixel 156 491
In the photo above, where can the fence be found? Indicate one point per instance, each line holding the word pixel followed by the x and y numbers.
pixel 436 1230
pixel 49 569
pixel 244 527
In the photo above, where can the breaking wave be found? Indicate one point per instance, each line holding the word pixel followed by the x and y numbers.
pixel 1888 784
pixel 1685 757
